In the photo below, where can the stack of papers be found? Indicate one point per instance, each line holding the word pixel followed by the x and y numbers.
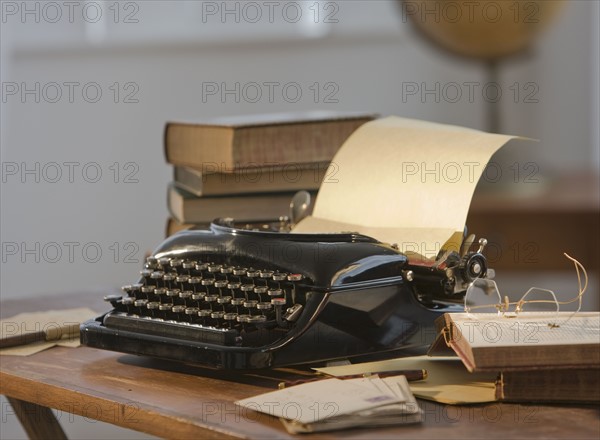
pixel 331 404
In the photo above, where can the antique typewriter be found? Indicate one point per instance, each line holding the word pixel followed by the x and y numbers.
pixel 248 296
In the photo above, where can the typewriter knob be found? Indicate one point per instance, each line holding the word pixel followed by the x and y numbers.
pixel 472 266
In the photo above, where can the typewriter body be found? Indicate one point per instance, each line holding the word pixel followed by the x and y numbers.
pixel 237 298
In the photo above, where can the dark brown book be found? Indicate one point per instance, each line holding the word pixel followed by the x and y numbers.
pixel 557 385
pixel 228 144
pixel 185 207
pixel 252 179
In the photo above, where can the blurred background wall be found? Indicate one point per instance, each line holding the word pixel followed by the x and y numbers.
pixel 85 99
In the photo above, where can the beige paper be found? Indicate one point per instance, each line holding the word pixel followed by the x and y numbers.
pixel 448 380
pixel 49 320
pixel 403 181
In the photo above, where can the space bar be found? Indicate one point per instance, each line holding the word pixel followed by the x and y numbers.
pixel 174 330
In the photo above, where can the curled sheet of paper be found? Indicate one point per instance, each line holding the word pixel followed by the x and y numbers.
pixel 404 181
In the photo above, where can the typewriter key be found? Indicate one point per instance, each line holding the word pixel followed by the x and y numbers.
pixel 140 302
pixel 220 284
pixel 182 278
pixel 164 261
pixel 217 315
pixel 211 298
pixel 197 296
pixel 164 307
pixel 224 300
pixel 261 289
pixel 160 291
pixel 294 277
pixel 195 280
pixel 185 294
pixel 201 266
pixel 278 301
pixel 173 292
pixel 126 288
pixel 214 268
pixel 230 316
pixel 208 282
pixel 128 300
pixel 152 305
pixel 178 309
pixel 243 318
pixel 112 298
pixel 234 286
pixel 252 273
pixel 157 275
pixel 275 292
pixel 136 287
pixel 227 269
pixel 279 276
pixel 147 289
pixel 151 262
pixel 250 304
pixel 188 264
pixel 247 287
pixel 176 262
pixel 146 273
pixel 257 319
pixel 238 301
pixel 204 313
pixel 170 276
pixel 191 311
pixel 266 274
pixel 264 306
pixel 239 271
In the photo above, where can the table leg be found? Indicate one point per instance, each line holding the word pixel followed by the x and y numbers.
pixel 38 421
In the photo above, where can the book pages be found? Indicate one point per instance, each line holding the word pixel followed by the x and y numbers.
pixel 403 181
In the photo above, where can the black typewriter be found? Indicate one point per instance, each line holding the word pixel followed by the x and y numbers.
pixel 236 297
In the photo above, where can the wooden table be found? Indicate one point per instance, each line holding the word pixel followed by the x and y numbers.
pixel 181 401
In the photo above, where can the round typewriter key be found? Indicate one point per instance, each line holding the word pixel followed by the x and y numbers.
pixel 257 319
pixel 136 287
pixel 266 274
pixel 220 284
pixel 164 261
pixel 188 264
pixel 234 286
pixel 239 271
pixel 191 311
pixel 227 269
pixel 208 282
pixel 275 292
pixel 260 289
pixel 217 315
pixel 279 276
pixel 204 313
pixel 151 261
pixel 126 288
pixel 198 296
pixel 250 304
pixel 164 307
pixel 140 302
pixel 252 273
pixel 148 289
pixel 247 287
pixel 172 292
pixel 128 300
pixel 178 309
pixel 153 305
pixel 214 268
pixel 112 298
pixel 243 318
pixel 237 301
pixel 170 276
pixel 294 277
pixel 230 316
pixel 224 300
pixel 176 262
pixel 194 280
pixel 278 301
pixel 211 298
pixel 182 278
pixel 185 294
pixel 160 291
pixel 201 266
pixel 146 272
pixel 264 306
pixel 157 274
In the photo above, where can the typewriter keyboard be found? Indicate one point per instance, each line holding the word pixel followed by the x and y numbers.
pixel 210 302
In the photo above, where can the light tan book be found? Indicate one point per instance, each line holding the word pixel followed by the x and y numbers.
pixel 188 208
pixel 228 144
pixel 531 341
pixel 292 177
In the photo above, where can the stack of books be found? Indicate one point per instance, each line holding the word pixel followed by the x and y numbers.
pixel 540 356
pixel 249 168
